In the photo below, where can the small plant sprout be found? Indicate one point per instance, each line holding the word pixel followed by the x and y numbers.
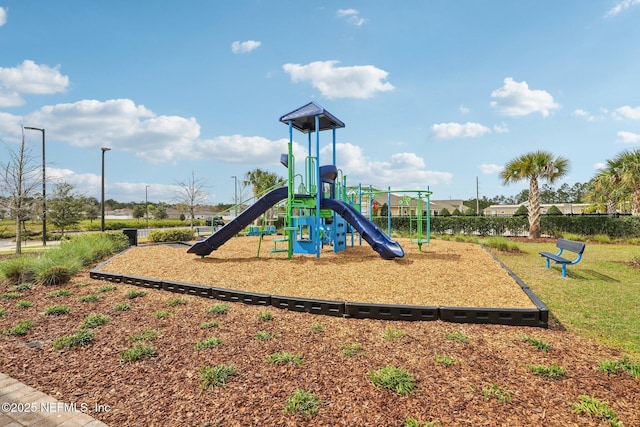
pixel 82 337
pixel 20 287
pixel 539 344
pixel 218 309
pixel 208 325
pixel 176 302
pixel 265 316
pixel 392 334
pixel 107 288
pixel 161 314
pixel 282 357
pixel 147 335
pixel 57 310
pixel 494 390
pixel 20 329
pixel 137 352
pixel 594 408
pixel 60 293
pixel 553 371
pixel 11 295
pixel 615 366
pixel 132 294
pixel 23 303
pixel 457 336
pixel 89 298
pixel 263 335
pixel 444 360
pixel 303 403
pixel 351 350
pixel 122 306
pixel 216 376
pixel 94 320
pixel 317 327
pixel 209 343
pixel 394 379
pixel 2 311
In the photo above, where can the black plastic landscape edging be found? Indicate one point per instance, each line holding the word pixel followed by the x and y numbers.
pixel 535 317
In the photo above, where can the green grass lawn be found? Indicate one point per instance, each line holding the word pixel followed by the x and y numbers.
pixel 600 298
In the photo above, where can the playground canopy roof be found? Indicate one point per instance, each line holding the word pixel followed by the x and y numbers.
pixel 303 119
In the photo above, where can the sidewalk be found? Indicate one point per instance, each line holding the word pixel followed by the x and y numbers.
pixel 21 405
pixel 8 245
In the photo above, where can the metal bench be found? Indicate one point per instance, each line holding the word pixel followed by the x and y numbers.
pixel 562 245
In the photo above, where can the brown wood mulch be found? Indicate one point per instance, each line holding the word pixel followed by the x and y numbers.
pixel 165 390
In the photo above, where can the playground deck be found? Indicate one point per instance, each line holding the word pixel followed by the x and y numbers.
pixel 444 274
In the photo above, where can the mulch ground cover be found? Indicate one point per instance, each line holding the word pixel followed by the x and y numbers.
pixel 465 375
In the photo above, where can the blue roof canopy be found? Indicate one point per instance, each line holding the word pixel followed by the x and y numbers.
pixel 304 118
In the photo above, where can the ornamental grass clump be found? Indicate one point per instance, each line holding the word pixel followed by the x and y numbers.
pixel 216 376
pixel 82 337
pixel 302 402
pixel 395 379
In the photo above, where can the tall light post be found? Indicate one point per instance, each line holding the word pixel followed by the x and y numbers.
pixel 235 194
pixel 44 190
pixel 146 204
pixel 104 149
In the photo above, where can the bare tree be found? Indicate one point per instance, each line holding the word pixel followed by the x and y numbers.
pixel 18 182
pixel 191 194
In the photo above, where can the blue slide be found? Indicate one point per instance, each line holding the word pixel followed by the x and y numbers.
pixel 233 227
pixel 387 248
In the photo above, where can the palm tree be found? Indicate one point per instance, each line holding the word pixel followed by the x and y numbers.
pixel 262 181
pixel 534 166
pixel 625 168
pixel 605 188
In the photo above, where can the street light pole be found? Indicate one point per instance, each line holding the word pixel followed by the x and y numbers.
pixel 44 189
pixel 146 204
pixel 235 194
pixel 104 149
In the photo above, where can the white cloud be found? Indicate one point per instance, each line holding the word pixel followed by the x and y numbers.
pixel 352 16
pixel 406 170
pixel 516 99
pixel 463 109
pixel 599 166
pixel 583 114
pixel 30 78
pixel 501 128
pixel 361 81
pixel 3 16
pixel 254 150
pixel 245 47
pixel 457 130
pixel 627 112
pixel 490 168
pixel 628 137
pixel 620 6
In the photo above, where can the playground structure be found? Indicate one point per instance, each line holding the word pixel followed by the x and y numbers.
pixel 319 208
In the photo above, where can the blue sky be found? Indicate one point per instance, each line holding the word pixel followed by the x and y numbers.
pixel 433 93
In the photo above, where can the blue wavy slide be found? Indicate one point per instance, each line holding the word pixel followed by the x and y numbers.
pixel 236 225
pixel 387 248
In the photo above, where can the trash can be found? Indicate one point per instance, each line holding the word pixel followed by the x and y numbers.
pixel 132 234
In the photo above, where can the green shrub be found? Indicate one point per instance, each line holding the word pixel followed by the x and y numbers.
pixel 494 390
pixel 172 235
pixel 265 316
pixel 82 337
pixel 263 335
pixel 394 379
pixel 208 325
pixel 107 288
pixel 17 269
pixel 20 287
pixel 11 295
pixel 161 314
pixel 89 298
pixel 553 371
pixel 55 275
pixel 351 350
pixel 596 409
pixel 176 302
